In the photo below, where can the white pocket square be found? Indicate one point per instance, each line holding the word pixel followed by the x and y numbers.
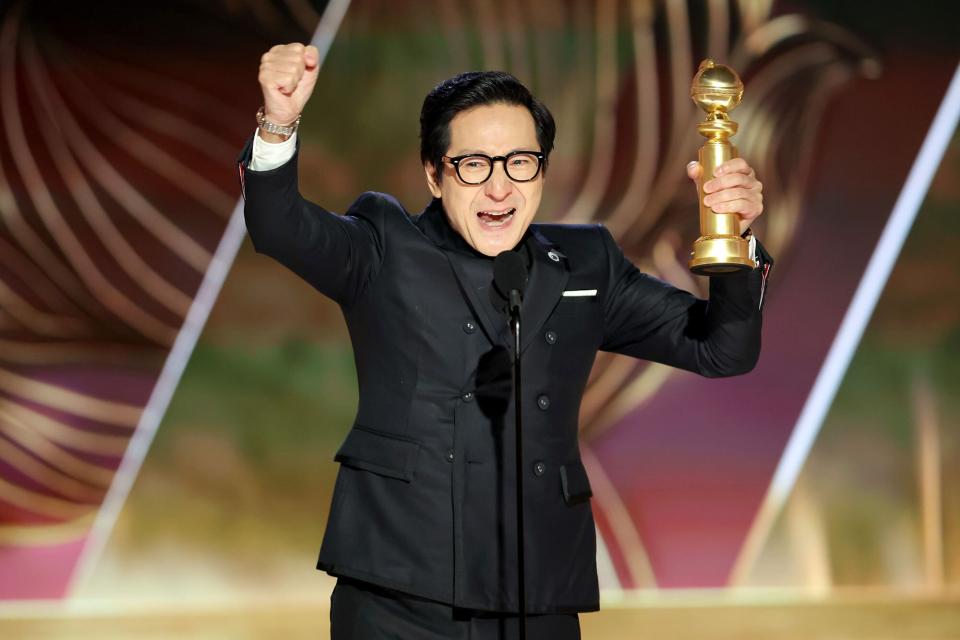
pixel 579 293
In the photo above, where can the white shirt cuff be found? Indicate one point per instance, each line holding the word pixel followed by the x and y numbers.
pixel 753 247
pixel 270 155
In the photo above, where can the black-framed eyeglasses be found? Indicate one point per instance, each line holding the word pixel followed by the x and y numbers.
pixel 476 168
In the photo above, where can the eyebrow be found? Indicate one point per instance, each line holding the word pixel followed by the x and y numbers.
pixel 470 152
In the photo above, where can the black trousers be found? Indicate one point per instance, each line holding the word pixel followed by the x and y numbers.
pixel 362 611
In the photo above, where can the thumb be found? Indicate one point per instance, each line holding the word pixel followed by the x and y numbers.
pixel 694 170
pixel 311 71
pixel 311 57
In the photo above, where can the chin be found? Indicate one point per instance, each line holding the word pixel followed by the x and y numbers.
pixel 492 241
pixel 493 246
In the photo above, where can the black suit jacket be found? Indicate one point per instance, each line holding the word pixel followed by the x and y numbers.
pixel 424 499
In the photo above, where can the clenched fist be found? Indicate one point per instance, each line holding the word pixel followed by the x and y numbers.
pixel 288 73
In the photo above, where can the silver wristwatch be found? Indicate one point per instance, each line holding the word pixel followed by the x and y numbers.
pixel 286 130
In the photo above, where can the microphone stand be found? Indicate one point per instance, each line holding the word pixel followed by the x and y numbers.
pixel 521 587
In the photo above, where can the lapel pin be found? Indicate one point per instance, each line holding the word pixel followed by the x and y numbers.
pixel 553 256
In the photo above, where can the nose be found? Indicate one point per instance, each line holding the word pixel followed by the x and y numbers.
pixel 499 186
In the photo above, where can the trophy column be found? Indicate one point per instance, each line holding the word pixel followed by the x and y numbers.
pixel 719 250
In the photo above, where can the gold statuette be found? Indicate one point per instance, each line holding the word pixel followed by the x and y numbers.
pixel 719 250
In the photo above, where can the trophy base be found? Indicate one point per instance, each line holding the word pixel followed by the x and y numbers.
pixel 720 255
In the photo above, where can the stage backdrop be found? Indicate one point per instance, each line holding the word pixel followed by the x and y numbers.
pixel 170 402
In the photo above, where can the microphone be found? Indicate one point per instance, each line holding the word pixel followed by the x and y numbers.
pixel 510 278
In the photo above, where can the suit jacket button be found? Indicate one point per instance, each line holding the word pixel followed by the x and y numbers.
pixel 468 396
pixel 469 327
pixel 550 337
pixel 543 402
pixel 450 455
pixel 539 468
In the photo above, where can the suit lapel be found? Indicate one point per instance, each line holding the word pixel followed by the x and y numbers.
pixel 493 327
pixel 435 227
pixel 548 277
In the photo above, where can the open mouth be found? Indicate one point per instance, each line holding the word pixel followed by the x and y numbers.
pixel 491 218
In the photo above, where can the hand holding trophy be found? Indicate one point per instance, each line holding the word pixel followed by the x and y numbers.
pixel 719 250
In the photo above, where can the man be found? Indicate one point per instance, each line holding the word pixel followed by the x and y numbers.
pixel 421 532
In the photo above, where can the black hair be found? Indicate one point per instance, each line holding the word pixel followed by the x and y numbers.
pixel 474 89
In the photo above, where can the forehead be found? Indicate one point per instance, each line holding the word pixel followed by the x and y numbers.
pixel 492 128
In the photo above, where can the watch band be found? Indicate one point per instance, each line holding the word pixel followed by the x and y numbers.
pixel 274 128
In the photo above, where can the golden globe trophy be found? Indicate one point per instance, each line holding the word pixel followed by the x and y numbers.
pixel 719 250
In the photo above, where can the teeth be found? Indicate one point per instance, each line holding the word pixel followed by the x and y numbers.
pixel 495 218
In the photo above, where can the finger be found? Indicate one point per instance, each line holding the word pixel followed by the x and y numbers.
pixel 311 56
pixel 731 194
pixel 285 75
pixel 285 82
pixel 694 170
pixel 278 51
pixel 735 165
pixel 732 180
pixel 745 208
pixel 285 66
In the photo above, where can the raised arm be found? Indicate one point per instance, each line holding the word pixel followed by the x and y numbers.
pixel 647 318
pixel 338 255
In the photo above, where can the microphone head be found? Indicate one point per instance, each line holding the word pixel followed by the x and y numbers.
pixel 509 272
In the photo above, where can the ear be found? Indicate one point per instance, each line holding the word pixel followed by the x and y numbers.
pixel 432 182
